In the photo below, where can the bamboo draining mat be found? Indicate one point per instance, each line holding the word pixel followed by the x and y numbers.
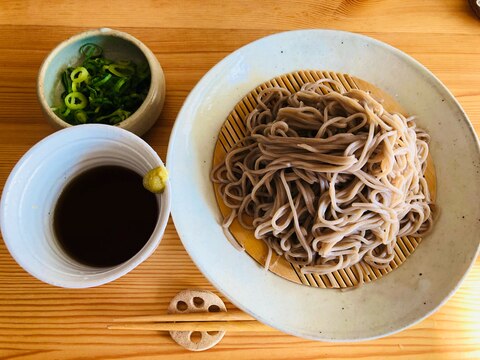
pixel 233 130
pixel 38 321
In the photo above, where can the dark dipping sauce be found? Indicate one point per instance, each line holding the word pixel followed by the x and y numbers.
pixel 104 216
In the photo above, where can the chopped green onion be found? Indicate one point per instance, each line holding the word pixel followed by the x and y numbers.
pixel 103 80
pixel 91 50
pixel 76 86
pixel 115 117
pixel 101 90
pixel 121 70
pixel 120 85
pixel 79 74
pixel 81 116
pixel 76 100
pixel 65 111
pixel 67 82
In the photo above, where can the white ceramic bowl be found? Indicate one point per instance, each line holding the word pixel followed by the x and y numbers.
pixel 35 183
pixel 117 45
pixel 385 306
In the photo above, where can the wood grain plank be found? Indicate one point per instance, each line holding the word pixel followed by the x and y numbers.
pixel 452 16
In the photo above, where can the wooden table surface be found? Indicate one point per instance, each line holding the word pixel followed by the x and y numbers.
pixel 38 321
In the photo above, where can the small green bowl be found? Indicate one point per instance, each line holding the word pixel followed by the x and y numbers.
pixel 117 45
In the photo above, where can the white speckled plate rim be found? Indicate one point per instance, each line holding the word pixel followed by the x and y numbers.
pixel 402 298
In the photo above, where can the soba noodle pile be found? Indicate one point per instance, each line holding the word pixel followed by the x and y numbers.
pixel 329 178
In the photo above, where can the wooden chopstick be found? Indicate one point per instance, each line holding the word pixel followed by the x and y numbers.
pixel 233 320
pixel 195 326
pixel 232 315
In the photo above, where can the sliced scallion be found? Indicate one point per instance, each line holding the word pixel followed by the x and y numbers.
pixel 79 74
pixel 91 50
pixel 76 101
pixel 101 90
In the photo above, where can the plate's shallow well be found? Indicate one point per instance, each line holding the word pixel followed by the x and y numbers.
pixel 407 295
pixel 234 129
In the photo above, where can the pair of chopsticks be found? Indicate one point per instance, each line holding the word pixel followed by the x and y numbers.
pixel 233 320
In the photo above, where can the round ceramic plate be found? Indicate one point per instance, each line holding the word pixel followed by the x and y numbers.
pixel 400 299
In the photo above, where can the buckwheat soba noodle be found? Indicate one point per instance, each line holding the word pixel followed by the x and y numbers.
pixel 327 179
